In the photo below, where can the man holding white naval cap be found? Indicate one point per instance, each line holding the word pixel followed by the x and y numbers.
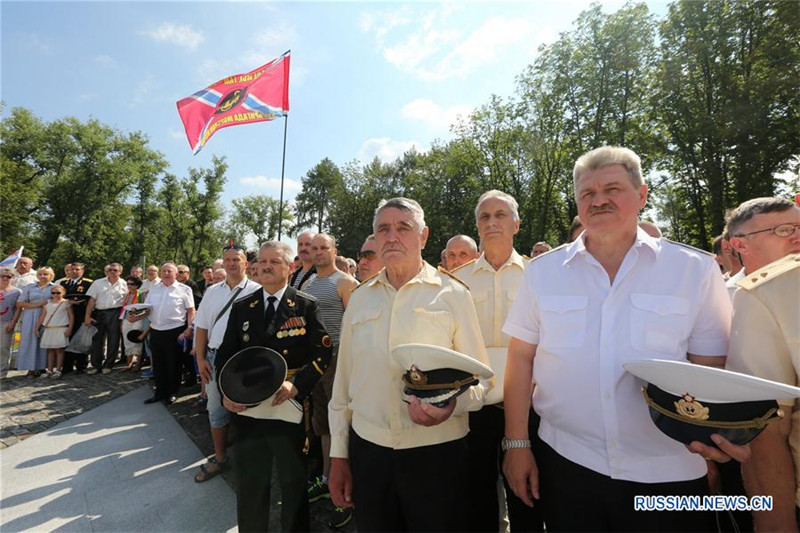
pixel 614 294
pixel 401 464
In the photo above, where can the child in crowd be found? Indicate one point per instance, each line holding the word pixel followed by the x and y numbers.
pixel 58 320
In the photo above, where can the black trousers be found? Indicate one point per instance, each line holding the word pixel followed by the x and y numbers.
pixel 417 489
pixel 166 360
pixel 107 324
pixel 258 442
pixel 575 498
pixel 74 360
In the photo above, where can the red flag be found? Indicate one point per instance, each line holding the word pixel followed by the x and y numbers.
pixel 261 94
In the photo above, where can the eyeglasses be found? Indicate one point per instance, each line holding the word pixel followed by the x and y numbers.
pixel 366 254
pixel 183 271
pixel 781 230
pixel 9 276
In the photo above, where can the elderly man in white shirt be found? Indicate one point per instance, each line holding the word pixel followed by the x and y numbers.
pixel 106 298
pixel 171 317
pixel 613 295
pixel 25 274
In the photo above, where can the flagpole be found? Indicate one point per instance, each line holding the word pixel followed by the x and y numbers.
pixel 283 166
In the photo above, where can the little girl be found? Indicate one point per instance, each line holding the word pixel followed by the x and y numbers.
pixel 57 319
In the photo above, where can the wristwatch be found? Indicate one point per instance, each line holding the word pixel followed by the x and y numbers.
pixel 508 444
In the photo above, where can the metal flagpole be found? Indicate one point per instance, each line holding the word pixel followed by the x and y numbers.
pixel 283 166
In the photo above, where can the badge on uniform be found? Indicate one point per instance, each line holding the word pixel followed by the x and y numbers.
pixel 253 304
pixel 293 327
pixel 246 326
pixel 290 303
pixel 689 402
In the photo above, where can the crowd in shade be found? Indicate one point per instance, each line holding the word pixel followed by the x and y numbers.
pixel 490 392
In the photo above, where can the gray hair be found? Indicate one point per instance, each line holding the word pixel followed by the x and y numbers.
pixel 310 232
pixel 403 204
pixel 286 251
pixel 606 156
pixel 751 208
pixel 500 195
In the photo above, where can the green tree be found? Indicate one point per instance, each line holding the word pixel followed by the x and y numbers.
pixel 256 217
pixel 320 185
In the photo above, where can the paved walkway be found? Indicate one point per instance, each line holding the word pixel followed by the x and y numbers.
pixel 121 466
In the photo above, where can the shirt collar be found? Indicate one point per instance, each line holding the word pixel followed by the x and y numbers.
pixel 578 246
pixel 278 295
pixel 427 274
pixel 513 259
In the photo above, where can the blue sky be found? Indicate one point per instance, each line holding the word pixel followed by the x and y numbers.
pixel 367 78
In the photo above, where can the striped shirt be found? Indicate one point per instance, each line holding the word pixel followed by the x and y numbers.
pixel 331 307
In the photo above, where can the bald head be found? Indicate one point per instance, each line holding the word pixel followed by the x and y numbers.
pixel 460 249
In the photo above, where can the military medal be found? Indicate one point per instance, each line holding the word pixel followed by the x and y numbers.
pixel 246 326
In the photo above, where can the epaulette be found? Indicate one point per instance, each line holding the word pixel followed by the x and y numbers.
pixel 769 272
pixel 90 280
pixel 459 267
pixel 690 247
pixel 362 283
pixel 532 259
pixel 450 274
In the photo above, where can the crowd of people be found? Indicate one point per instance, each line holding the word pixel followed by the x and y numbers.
pixel 560 438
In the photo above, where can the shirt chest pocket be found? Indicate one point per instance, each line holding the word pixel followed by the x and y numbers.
pixel 659 323
pixel 364 326
pixel 432 327
pixel 563 321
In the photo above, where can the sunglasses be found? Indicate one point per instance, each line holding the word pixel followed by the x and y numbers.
pixel 9 276
pixel 366 254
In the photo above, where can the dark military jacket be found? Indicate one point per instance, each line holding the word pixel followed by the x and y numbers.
pixel 76 293
pixel 296 333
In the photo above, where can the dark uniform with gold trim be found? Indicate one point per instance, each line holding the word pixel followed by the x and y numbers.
pixel 297 333
pixel 76 294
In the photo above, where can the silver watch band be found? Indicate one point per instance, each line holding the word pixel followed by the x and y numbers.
pixel 508 444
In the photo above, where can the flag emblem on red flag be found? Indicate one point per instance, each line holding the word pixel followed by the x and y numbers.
pixel 259 95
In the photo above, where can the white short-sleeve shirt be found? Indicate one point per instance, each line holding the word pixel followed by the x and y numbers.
pixel 667 300
pixel 214 300
pixel 108 295
pixel 169 305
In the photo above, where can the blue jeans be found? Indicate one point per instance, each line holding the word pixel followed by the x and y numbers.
pixel 218 416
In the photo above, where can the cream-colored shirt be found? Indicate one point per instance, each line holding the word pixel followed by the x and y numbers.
pixel 765 335
pixel 493 292
pixel 432 308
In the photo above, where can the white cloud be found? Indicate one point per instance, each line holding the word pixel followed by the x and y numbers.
pixel 105 60
pixel 433 114
pixel 385 149
pixel 182 35
pixel 262 47
pixel 437 48
pixel 178 135
pixel 142 91
pixel 290 186
pixel 35 41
